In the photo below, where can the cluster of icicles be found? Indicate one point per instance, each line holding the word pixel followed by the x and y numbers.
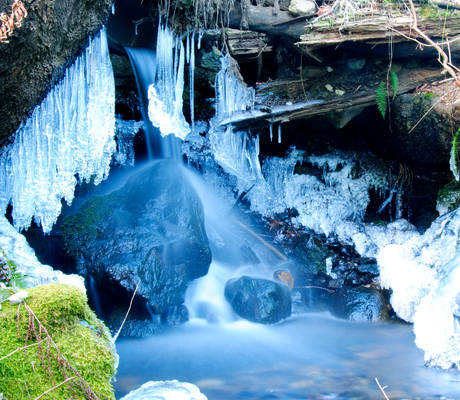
pixel 166 93
pixel 68 137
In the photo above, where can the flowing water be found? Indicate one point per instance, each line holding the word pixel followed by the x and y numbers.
pixel 308 356
pixel 305 357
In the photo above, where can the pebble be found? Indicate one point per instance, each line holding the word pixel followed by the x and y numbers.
pixel 329 87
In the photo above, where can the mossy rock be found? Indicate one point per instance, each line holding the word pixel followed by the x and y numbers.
pixel 82 339
pixel 448 198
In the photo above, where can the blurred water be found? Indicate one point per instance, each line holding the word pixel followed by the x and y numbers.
pixel 307 357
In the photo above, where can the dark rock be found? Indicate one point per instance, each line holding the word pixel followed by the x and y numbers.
pixel 258 300
pixel 51 35
pixel 316 299
pixel 137 328
pixel 336 283
pixel 149 232
pixel 430 141
pixel 368 266
pixel 359 304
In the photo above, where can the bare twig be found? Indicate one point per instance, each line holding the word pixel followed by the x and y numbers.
pixel 443 57
pixel 54 387
pixel 21 348
pixel 318 287
pixel 264 242
pixel 432 106
pixel 127 313
pixel 382 389
pixel 82 384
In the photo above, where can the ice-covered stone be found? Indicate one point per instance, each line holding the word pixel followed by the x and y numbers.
pixel 166 390
pixel 424 275
pixel 125 133
pixel 16 248
pixel 68 137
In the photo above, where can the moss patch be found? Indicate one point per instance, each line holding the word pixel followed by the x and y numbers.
pixel 82 339
pixel 448 198
pixel 82 225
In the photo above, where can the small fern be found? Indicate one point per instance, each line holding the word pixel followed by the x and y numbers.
pixel 381 95
pixel 453 162
pixel 394 83
pixel 381 99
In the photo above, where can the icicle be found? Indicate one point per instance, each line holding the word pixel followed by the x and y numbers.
pixel 135 29
pixel 192 80
pixel 165 94
pixel 271 132
pixel 232 94
pixel 279 133
pixel 386 202
pixel 188 48
pixel 113 8
pixel 399 205
pixel 200 36
pixel 69 134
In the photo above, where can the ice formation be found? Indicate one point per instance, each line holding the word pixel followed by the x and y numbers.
pixel 165 94
pixel 238 154
pixel 166 390
pixel 232 94
pixel 68 137
pixel 126 131
pixel 16 248
pixel 424 275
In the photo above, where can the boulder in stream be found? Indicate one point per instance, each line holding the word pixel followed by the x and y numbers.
pixel 359 304
pixel 259 300
pixel 150 232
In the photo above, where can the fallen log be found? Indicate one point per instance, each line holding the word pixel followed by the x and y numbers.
pixel 265 111
pixel 247 43
pixel 376 28
pixel 262 19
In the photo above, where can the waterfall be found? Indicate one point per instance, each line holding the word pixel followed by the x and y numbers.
pixel 68 138
pixel 143 62
pixel 160 82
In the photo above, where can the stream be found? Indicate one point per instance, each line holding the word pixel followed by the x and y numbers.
pixel 305 357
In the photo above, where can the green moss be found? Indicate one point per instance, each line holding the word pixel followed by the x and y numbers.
pixel 82 225
pixel 83 340
pixel 430 11
pixel 448 197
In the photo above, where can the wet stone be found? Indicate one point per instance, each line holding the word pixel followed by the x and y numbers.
pixel 259 300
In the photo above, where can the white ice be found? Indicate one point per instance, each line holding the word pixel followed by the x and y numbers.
pixel 68 138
